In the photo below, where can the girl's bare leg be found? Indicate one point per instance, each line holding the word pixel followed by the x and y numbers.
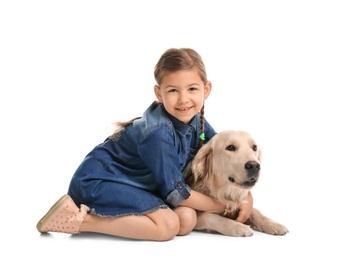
pixel 160 225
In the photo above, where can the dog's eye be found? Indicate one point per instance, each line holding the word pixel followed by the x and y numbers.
pixel 254 147
pixel 231 148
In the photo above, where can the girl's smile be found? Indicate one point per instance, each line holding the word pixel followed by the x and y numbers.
pixel 184 109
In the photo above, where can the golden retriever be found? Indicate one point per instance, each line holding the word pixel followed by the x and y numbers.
pixel 226 168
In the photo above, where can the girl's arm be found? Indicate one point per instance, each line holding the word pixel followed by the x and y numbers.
pixel 199 201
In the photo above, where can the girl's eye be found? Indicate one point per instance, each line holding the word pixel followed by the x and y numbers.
pixel 231 148
pixel 172 90
pixel 254 147
pixel 192 89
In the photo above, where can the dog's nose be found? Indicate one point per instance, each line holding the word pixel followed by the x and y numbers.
pixel 252 167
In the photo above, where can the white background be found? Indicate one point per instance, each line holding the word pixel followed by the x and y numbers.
pixel 68 69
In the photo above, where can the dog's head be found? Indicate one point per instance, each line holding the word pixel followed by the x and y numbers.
pixel 227 165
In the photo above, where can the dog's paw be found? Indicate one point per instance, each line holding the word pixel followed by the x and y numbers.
pixel 274 228
pixel 260 222
pixel 238 230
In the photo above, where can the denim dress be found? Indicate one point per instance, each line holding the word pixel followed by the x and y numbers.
pixel 141 170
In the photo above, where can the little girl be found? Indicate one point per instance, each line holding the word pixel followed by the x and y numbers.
pixel 132 185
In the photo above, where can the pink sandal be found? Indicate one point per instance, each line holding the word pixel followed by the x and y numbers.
pixel 64 216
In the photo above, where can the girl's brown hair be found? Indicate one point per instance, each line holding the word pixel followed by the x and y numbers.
pixel 173 60
pixel 179 59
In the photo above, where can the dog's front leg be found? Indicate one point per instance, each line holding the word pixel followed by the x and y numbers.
pixel 259 222
pixel 211 222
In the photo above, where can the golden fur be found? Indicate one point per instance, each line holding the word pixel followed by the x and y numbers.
pixel 226 168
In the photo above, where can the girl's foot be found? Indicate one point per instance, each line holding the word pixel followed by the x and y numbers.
pixel 64 216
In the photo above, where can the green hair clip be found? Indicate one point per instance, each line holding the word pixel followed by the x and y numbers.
pixel 202 136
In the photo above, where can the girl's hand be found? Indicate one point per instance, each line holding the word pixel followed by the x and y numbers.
pixel 245 209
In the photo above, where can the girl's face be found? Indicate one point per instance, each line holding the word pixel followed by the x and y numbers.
pixel 183 93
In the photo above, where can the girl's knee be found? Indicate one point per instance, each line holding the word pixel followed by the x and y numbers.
pixel 168 225
pixel 188 220
pixel 170 229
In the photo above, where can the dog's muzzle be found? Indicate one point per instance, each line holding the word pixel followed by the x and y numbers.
pixel 252 170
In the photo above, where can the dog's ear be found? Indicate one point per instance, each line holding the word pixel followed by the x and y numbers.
pixel 201 164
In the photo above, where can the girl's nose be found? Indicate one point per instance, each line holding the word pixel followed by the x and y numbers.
pixel 183 97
